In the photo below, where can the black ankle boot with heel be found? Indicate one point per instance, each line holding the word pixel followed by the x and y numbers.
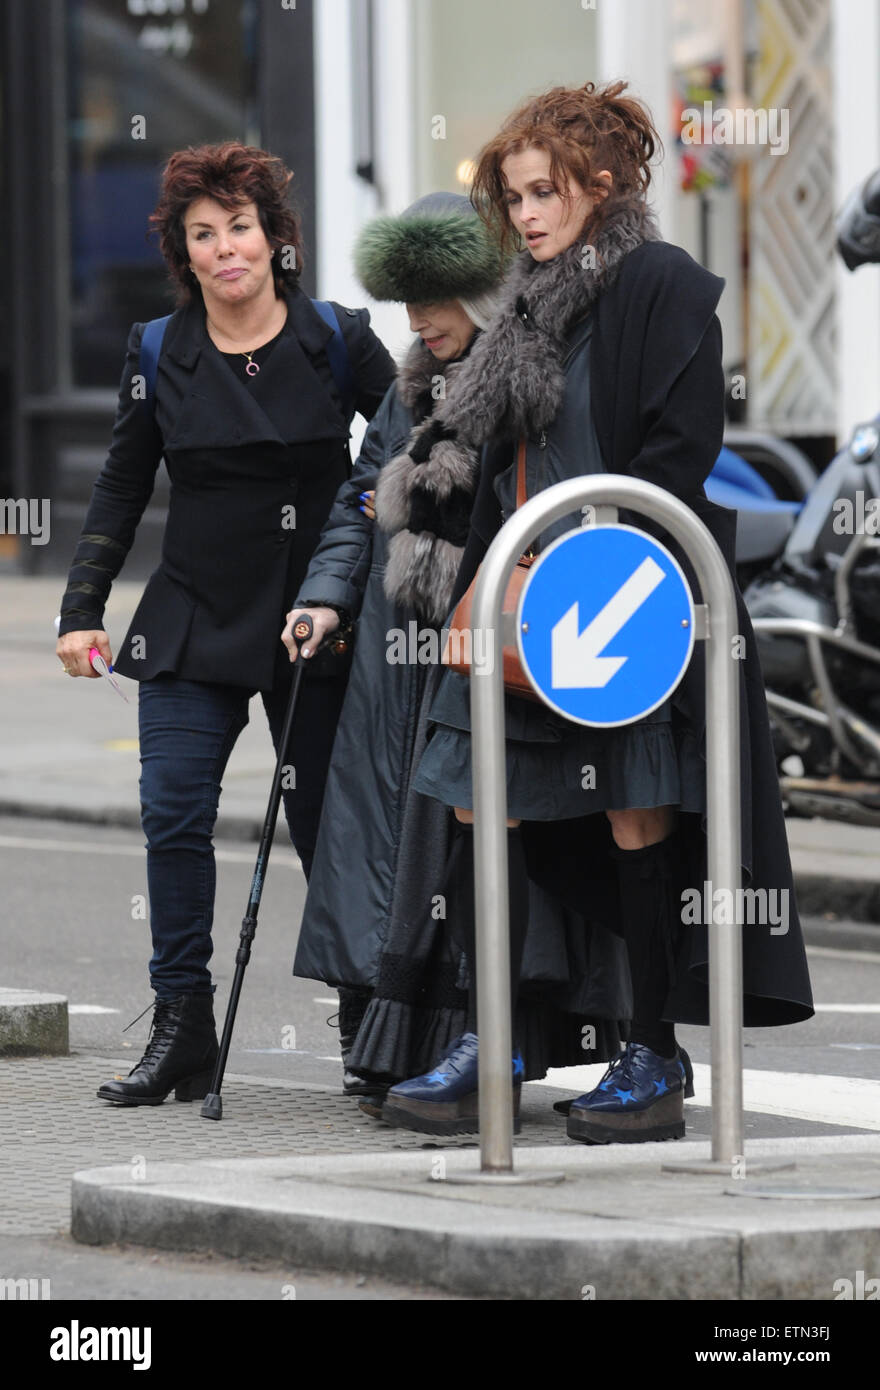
pixel 180 1055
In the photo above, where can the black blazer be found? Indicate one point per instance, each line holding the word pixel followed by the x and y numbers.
pixel 254 470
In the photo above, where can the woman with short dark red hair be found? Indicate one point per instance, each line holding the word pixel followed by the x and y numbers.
pixel 230 174
pixel 249 399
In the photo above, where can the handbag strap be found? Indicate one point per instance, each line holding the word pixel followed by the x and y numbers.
pixel 521 473
pixel 521 496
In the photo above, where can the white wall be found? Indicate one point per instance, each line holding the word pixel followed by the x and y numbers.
pixel 395 140
pixel 635 43
pixel 856 75
pixel 345 201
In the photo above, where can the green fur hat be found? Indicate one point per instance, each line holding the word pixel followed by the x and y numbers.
pixel 437 249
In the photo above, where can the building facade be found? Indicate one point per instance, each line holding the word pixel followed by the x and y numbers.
pixel 375 102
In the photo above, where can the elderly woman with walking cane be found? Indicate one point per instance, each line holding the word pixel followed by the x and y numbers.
pixel 375 919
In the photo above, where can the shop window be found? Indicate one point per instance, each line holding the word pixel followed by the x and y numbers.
pixel 145 77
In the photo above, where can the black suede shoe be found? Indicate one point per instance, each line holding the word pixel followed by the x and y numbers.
pixel 363 1084
pixel 372 1105
pixel 180 1056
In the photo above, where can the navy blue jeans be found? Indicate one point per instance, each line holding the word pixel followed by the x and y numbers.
pixel 187 731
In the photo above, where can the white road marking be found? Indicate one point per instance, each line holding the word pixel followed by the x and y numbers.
pixel 279 1051
pixel 90 1009
pixel 224 856
pixel 847 1008
pixel 321 1000
pixel 838 953
pixel 853 1102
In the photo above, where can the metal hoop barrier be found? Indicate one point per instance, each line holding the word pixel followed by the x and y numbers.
pixel 716 623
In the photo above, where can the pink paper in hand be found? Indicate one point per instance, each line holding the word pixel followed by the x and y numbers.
pixel 99 664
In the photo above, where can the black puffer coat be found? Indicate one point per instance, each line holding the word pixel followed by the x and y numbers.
pixel 350 892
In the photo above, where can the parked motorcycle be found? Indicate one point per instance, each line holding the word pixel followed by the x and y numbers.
pixel 810 570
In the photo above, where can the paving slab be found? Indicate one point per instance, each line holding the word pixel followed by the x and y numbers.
pixel 617 1227
pixel 296 1173
pixel 33 1024
pixel 52 1125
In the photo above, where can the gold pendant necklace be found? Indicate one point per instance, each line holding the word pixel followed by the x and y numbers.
pixel 252 367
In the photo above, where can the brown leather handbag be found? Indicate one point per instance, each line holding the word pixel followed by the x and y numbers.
pixel 457 651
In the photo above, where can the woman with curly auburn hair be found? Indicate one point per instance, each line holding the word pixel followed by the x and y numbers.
pixel 247 391
pixel 605 356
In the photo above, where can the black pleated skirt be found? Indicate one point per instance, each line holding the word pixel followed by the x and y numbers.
pixel 557 769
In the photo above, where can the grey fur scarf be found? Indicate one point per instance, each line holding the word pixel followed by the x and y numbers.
pixel 422 381
pixel 511 383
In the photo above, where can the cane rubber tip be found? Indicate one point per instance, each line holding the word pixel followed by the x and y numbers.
pixel 212 1108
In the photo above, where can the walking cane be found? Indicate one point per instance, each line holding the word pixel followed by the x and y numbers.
pixel 212 1107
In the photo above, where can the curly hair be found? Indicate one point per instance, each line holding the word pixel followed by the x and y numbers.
pixel 583 130
pixel 232 174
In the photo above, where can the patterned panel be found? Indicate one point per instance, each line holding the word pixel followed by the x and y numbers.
pixel 791 287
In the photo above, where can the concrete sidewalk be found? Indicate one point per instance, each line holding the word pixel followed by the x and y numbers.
pixel 358 1195
pixel 617 1227
pixel 297 1175
pixel 68 750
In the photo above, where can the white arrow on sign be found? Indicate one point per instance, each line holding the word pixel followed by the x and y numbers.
pixel 575 660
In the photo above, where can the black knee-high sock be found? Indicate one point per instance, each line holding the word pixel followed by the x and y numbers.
pixel 650 918
pixel 461 908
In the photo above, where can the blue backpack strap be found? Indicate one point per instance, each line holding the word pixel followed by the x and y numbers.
pixel 151 346
pixel 337 356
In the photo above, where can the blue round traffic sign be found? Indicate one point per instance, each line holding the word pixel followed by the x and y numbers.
pixel 605 625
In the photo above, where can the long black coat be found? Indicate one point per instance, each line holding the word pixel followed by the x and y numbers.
pixel 351 888
pixel 656 392
pixel 254 470
pixel 382 849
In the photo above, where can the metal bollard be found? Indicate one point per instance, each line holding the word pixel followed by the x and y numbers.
pixel 490 806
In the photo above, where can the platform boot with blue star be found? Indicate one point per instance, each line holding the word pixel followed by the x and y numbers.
pixel 445 1100
pixel 639 1099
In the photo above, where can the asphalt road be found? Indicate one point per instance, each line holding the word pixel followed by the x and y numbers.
pixel 68 896
pixel 69 893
